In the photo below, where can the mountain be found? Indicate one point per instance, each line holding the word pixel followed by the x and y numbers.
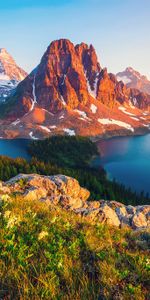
pixel 69 92
pixel 10 74
pixel 134 79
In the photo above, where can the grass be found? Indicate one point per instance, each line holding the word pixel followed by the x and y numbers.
pixel 48 253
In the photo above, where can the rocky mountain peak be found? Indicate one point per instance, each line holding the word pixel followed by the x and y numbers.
pixel 9 67
pixel 133 79
pixel 3 51
pixel 10 74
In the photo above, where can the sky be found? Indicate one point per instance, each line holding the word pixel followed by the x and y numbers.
pixel 118 29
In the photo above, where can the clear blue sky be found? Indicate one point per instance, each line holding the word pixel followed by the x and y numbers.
pixel 118 29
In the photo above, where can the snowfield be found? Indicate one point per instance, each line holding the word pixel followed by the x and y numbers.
pixel 116 122
pixel 82 114
pixel 93 108
pixel 93 92
pixel 70 132
pixel 32 136
pixel 34 100
pixel 125 79
pixel 61 117
pixel 45 128
pixel 62 100
pixel 123 109
pixel 53 126
pixel 134 118
pixel 15 122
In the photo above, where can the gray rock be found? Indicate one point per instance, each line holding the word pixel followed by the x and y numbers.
pixel 66 192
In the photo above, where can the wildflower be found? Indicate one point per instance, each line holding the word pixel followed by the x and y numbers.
pixel 42 235
pixel 5 197
pixel 7 214
pixel 53 219
pixel 147 262
pixel 12 221
pixel 60 265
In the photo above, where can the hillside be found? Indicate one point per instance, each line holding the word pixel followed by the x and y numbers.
pixel 50 250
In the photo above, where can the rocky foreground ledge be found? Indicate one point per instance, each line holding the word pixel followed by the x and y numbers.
pixel 67 193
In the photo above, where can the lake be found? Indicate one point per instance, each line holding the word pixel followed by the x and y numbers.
pixel 127 159
pixel 14 148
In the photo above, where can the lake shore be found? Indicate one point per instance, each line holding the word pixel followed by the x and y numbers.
pixel 126 159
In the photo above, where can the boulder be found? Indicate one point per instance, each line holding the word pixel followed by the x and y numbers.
pixel 139 221
pixel 111 217
pixel 34 193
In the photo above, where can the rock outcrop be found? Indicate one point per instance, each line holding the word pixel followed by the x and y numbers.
pixel 67 193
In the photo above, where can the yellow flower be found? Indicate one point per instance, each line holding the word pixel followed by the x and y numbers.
pixel 12 221
pixel 148 262
pixel 42 235
pixel 5 197
pixel 7 214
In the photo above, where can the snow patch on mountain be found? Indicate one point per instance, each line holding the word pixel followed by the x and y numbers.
pixel 62 100
pixel 34 100
pixel 123 109
pixel 134 118
pixel 82 114
pixel 70 132
pixel 32 136
pixel 45 128
pixel 93 108
pixel 53 126
pixel 15 122
pixel 125 79
pixel 92 92
pixel 116 122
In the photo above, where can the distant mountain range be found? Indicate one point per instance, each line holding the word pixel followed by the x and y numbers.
pixel 134 79
pixel 70 93
pixel 10 74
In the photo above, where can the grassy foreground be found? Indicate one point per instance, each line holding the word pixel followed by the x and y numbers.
pixel 48 253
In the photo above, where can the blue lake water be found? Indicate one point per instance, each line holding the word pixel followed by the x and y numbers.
pixel 14 148
pixel 127 159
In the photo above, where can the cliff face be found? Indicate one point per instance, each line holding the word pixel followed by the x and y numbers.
pixel 67 193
